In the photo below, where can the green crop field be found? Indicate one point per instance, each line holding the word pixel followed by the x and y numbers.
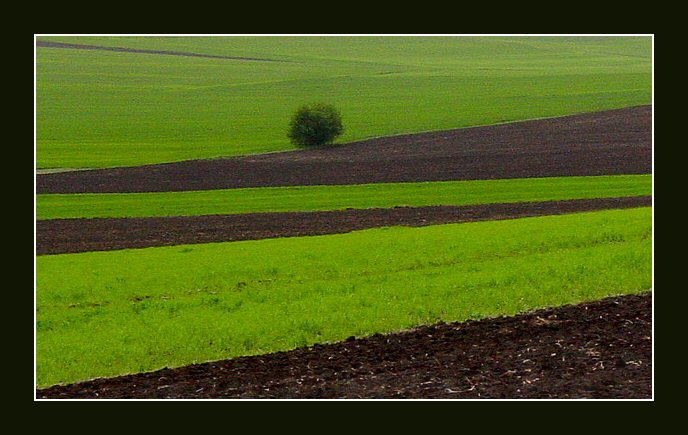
pixel 310 198
pixel 104 108
pixel 109 313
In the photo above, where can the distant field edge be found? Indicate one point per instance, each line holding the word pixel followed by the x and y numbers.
pixel 54 44
pixel 492 124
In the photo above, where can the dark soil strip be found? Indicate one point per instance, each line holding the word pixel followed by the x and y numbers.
pixel 52 44
pixel 597 350
pixel 59 236
pixel 601 143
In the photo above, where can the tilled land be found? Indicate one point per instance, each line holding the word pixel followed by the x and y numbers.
pixel 59 236
pixel 601 143
pixel 600 349
pixel 597 350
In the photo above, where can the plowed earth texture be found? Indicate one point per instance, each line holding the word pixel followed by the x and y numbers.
pixel 59 236
pixel 602 143
pixel 601 349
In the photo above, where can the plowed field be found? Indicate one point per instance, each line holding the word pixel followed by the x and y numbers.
pixel 599 350
pixel 59 236
pixel 601 143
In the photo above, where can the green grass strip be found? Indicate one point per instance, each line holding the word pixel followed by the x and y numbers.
pixel 310 198
pixel 109 313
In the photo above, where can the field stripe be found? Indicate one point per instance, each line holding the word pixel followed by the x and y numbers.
pixel 612 142
pixel 321 198
pixel 343 370
pixel 61 236
pixel 110 313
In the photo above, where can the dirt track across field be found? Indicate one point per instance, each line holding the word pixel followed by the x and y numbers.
pixel 60 236
pixel 53 44
pixel 601 143
pixel 597 350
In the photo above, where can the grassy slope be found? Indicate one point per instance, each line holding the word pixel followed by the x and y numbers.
pixel 104 314
pixel 98 109
pixel 309 198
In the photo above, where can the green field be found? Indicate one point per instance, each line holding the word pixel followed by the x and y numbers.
pixel 102 314
pixel 109 313
pixel 102 109
pixel 310 198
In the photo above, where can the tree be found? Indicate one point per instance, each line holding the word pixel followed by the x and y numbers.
pixel 314 125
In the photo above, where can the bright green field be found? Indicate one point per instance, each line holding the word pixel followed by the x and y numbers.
pixel 100 109
pixel 109 313
pixel 309 198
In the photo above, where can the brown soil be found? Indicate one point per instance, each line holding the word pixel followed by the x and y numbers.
pixel 60 236
pixel 602 143
pixel 53 44
pixel 600 350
